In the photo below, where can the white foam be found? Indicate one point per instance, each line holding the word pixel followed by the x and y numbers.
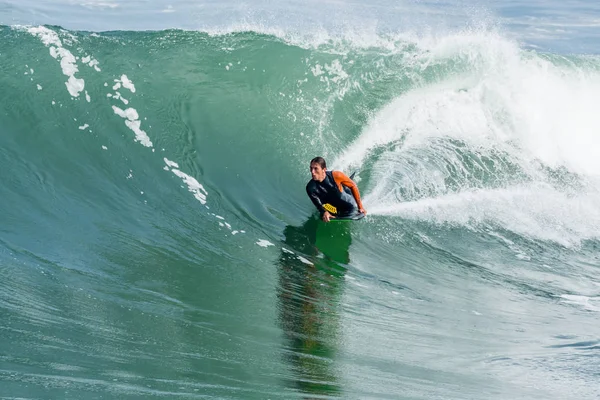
pixel 133 123
pixel 588 303
pixel 87 97
pixel 193 186
pixel 130 114
pixel 140 135
pixel 526 115
pixel 48 37
pixel 118 96
pixel 507 95
pixel 39 87
pixel 94 64
pixel 104 148
pixel 304 260
pixel 75 86
pixel 125 82
pixel 170 163
pixel 68 63
pixel 538 211
pixel 317 70
pixel 264 243
pixel 358 35
pixel 84 126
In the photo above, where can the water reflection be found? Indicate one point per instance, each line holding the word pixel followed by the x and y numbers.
pixel 309 303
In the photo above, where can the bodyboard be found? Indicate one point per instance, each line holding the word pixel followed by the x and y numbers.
pixel 353 216
pixel 350 217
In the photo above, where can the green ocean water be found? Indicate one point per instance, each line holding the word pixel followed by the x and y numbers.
pixel 156 240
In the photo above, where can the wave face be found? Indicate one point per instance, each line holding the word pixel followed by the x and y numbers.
pixel 156 238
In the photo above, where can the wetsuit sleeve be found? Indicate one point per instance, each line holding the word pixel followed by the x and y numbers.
pixel 314 198
pixel 341 179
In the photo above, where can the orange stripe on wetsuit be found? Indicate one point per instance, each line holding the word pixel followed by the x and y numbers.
pixel 341 179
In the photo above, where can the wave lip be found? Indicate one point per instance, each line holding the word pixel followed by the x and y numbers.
pixel 491 134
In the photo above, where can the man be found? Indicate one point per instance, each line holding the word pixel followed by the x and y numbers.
pixel 326 187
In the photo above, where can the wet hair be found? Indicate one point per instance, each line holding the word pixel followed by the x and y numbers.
pixel 320 161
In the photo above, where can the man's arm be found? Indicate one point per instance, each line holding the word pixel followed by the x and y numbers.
pixel 341 178
pixel 315 199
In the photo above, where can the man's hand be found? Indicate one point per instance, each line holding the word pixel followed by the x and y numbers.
pixel 326 216
pixel 362 210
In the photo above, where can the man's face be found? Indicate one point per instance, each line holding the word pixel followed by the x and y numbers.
pixel 318 173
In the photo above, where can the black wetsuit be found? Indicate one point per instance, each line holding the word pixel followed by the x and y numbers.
pixel 328 191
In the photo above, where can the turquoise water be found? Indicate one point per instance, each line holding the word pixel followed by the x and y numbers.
pixel 156 239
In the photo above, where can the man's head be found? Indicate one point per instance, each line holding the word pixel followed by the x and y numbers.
pixel 318 168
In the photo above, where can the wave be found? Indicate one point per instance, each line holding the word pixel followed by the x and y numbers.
pixel 153 206
pixel 470 124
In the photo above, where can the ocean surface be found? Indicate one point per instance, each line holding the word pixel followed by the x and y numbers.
pixel 156 240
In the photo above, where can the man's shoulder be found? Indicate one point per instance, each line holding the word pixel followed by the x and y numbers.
pixel 311 184
pixel 338 175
